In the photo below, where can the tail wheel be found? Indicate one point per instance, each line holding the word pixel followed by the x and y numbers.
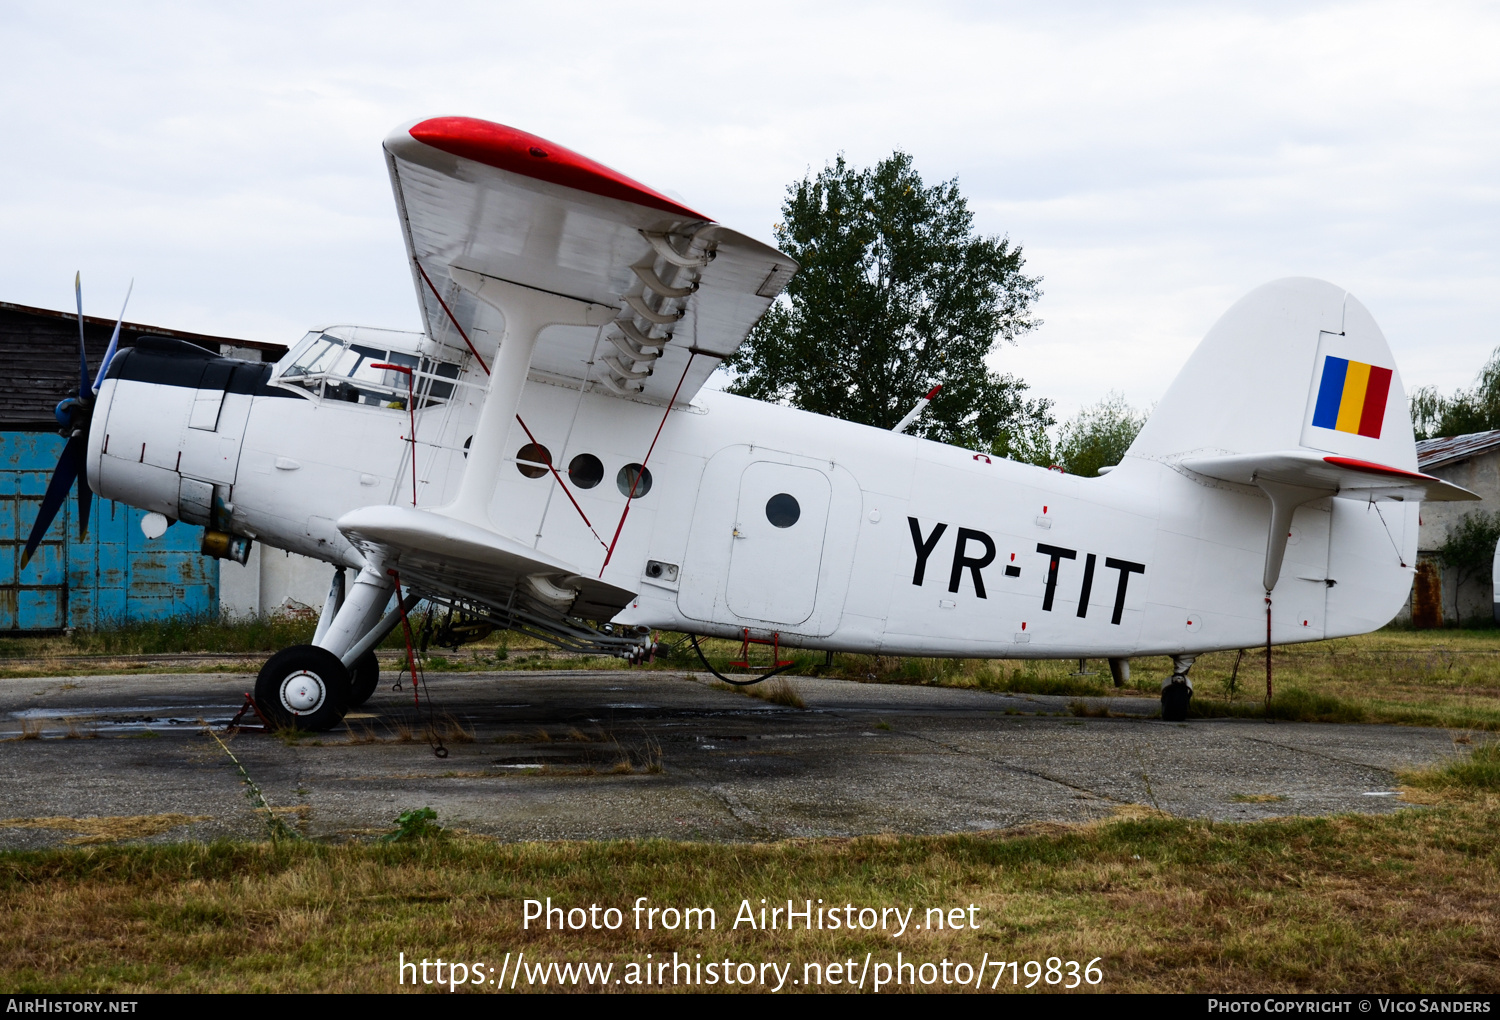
pixel 304 688
pixel 1174 701
pixel 364 678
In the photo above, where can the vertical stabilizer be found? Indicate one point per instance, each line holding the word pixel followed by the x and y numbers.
pixel 1295 364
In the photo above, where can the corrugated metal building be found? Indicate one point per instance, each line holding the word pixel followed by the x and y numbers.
pixel 115 574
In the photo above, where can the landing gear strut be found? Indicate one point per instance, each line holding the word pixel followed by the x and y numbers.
pixel 1177 690
pixel 363 679
pixel 310 687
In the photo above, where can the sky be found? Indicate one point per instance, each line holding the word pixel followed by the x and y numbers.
pixel 1155 161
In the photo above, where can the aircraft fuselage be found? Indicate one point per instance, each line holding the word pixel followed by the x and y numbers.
pixel 829 534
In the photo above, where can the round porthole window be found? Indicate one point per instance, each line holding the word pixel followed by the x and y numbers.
pixel 628 477
pixel 782 510
pixel 585 471
pixel 532 460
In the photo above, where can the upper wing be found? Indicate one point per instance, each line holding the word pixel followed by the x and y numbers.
pixel 490 200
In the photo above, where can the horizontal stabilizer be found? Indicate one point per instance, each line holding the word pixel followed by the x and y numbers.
pixel 449 556
pixel 1332 476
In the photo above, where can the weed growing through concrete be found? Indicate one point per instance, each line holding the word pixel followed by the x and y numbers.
pixel 84 729
pixel 418 823
pixel 778 691
pixel 449 730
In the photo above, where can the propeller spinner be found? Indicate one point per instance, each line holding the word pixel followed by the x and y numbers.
pixel 74 414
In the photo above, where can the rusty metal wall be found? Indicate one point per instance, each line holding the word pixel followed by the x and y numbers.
pixel 114 575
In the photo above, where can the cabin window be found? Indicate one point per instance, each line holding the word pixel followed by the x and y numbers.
pixel 340 370
pixel 782 510
pixel 533 460
pixel 355 379
pixel 586 471
pixel 627 479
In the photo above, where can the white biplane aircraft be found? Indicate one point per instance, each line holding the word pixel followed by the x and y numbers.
pixel 542 457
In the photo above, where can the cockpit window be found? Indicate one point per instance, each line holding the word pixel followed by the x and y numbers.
pixel 338 370
pixel 315 360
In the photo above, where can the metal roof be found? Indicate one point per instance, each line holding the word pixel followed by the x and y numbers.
pixel 39 349
pixel 1436 453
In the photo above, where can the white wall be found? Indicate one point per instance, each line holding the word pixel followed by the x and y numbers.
pixel 272 581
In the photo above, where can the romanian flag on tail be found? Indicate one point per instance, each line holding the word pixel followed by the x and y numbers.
pixel 1352 396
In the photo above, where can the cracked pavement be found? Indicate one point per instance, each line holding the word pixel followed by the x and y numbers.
pixel 573 755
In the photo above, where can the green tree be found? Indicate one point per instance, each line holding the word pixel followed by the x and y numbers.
pixel 1098 436
pixel 1471 410
pixel 896 292
pixel 1026 440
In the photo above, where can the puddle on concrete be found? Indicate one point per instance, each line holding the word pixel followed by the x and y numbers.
pixel 131 719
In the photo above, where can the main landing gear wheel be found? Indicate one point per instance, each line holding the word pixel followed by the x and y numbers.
pixel 364 678
pixel 304 688
pixel 1174 700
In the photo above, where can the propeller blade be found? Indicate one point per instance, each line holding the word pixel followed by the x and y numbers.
pixel 79 449
pixel 83 361
pixel 114 340
pixel 57 492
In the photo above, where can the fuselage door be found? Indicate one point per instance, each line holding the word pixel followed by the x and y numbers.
pixel 777 553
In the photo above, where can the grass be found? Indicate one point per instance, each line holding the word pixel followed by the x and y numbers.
pixel 1403 902
pixel 1425 678
pixel 208 634
pixel 106 829
pixel 1420 678
pixel 778 690
pixel 241 644
pixel 1479 772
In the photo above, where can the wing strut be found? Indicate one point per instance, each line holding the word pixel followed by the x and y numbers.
pixel 527 312
pixel 566 491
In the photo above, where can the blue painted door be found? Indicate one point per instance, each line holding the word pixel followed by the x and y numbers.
pixel 115 575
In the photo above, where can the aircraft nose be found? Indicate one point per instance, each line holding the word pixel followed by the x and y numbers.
pixel 170 427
